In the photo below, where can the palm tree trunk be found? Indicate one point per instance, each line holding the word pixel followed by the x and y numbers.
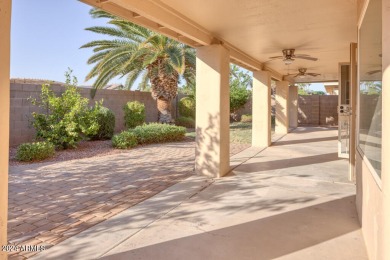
pixel 164 110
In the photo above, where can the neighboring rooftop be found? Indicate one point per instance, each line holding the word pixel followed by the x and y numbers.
pixel 35 81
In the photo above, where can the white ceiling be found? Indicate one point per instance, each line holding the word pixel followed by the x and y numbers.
pixel 262 28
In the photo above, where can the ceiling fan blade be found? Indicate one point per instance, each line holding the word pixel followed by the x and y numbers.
pixel 276 57
pixel 304 55
pixel 313 74
pixel 297 75
pixel 306 58
pixel 373 72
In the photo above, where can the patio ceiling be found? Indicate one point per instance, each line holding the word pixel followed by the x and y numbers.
pixel 254 30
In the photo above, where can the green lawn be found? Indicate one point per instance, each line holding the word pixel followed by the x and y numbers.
pixel 239 133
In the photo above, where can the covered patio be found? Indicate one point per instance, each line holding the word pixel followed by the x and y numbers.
pixel 292 200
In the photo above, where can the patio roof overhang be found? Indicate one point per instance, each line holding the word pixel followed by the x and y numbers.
pixel 254 30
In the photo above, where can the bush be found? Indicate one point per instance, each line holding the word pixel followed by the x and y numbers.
pixel 185 121
pixel 106 121
pixel 34 151
pixel 124 140
pixel 240 83
pixel 67 117
pixel 246 118
pixel 239 95
pixel 134 114
pixel 187 107
pixel 158 133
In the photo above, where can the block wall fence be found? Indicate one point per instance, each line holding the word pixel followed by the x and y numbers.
pixel 312 110
pixel 317 110
pixel 21 108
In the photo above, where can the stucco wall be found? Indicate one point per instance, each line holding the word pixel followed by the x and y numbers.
pixel 369 206
pixel 317 110
pixel 21 107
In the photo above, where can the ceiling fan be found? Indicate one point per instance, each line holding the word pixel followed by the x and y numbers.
pixel 372 72
pixel 302 73
pixel 289 56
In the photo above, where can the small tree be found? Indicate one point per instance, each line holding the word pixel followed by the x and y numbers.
pixel 240 84
pixel 67 118
pixel 303 88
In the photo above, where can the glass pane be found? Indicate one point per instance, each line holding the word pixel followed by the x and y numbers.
pixel 370 77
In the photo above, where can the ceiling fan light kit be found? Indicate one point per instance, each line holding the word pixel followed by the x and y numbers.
pixel 289 56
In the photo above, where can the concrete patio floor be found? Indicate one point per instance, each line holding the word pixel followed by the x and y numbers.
pixel 292 200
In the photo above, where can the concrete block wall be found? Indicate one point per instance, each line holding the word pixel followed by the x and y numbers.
pixel 21 108
pixel 328 110
pixel 317 110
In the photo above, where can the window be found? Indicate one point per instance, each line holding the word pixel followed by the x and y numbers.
pixel 370 84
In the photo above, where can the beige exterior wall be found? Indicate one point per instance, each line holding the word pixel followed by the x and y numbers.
pixel 5 21
pixel 212 115
pixel 373 194
pixel 385 227
pixel 369 206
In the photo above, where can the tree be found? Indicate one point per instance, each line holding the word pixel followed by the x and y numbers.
pixel 137 52
pixel 303 88
pixel 240 85
pixel 318 92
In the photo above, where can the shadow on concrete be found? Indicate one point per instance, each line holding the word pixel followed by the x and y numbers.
pixel 310 129
pixel 302 141
pixel 288 163
pixel 265 238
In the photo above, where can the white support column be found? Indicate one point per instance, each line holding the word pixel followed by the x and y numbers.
pixel 293 106
pixel 261 109
pixel 282 107
pixel 5 28
pixel 212 111
pixel 385 239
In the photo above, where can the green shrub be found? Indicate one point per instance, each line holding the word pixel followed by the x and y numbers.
pixel 66 118
pixel 34 151
pixel 124 140
pixel 158 133
pixel 246 118
pixel 134 114
pixel 185 121
pixel 187 107
pixel 240 84
pixel 106 122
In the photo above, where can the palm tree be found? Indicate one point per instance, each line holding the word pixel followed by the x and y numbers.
pixel 137 52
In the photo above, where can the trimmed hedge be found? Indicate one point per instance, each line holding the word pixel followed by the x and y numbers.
pixel 124 140
pixel 36 151
pixel 158 133
pixel 134 114
pixel 187 107
pixel 246 118
pixel 106 120
pixel 185 121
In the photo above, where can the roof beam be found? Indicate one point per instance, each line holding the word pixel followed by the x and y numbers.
pixel 140 20
pixel 166 16
pixel 155 15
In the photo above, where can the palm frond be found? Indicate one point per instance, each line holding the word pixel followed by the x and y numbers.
pixel 175 57
pixel 110 31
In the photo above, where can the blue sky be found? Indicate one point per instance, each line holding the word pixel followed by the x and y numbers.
pixel 46 40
